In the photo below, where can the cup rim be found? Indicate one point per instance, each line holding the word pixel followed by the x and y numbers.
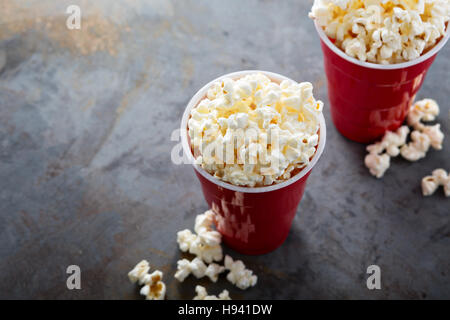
pixel 437 47
pixel 187 150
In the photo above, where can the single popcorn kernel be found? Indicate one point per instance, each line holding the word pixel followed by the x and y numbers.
pixel 248 132
pixel 154 288
pixel 139 271
pixel 439 177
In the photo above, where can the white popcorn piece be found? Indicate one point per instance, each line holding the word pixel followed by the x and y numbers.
pixel 139 271
pixel 213 270
pixel 383 31
pixel 183 269
pixel 377 164
pixel 239 275
pixel 430 184
pixel 391 142
pixel 154 288
pixel 203 295
pixel 206 243
pixel 417 148
pixel 198 268
pixel 424 110
pixel 435 135
pixel 185 238
pixel 205 252
pixel 233 129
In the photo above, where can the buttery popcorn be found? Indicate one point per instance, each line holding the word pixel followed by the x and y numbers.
pixel 383 31
pixel 255 132
pixel 154 288
pixel 203 295
pixel 239 275
pixel 439 177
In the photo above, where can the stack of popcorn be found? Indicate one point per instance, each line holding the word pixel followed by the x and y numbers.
pixel 209 240
pixel 154 288
pixel 255 132
pixel 383 31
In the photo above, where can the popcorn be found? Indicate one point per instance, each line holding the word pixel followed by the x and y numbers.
pixel 417 148
pixel 423 110
pixel 139 271
pixel 249 131
pixel 183 269
pixel 390 142
pixel 439 177
pixel 154 288
pixel 205 252
pixel 239 275
pixel 213 270
pixel 435 135
pixel 203 227
pixel 198 268
pixel 429 185
pixel 186 267
pixel 377 162
pixel 203 295
pixel 206 243
pixel 383 31
pixel 185 238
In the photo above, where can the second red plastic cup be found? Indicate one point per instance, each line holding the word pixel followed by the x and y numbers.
pixel 251 220
pixel 369 99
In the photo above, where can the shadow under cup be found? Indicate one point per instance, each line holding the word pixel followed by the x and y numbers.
pixel 369 99
pixel 251 220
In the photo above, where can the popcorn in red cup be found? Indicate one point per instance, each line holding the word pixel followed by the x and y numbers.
pixel 376 56
pixel 253 138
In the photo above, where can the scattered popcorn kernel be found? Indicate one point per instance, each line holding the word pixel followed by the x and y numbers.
pixel 185 238
pixel 435 135
pixel 391 142
pixel 183 269
pixel 154 288
pixel 430 184
pixel 213 270
pixel 417 148
pixel 139 271
pixel 240 276
pixel 203 295
pixel 198 268
pixel 205 252
pixel 377 164
pixel 423 110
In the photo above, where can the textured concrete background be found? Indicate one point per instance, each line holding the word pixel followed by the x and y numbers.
pixel 85 172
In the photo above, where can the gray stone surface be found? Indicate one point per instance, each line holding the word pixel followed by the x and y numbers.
pixel 86 178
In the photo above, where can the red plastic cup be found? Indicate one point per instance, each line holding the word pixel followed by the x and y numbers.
pixel 368 99
pixel 251 220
